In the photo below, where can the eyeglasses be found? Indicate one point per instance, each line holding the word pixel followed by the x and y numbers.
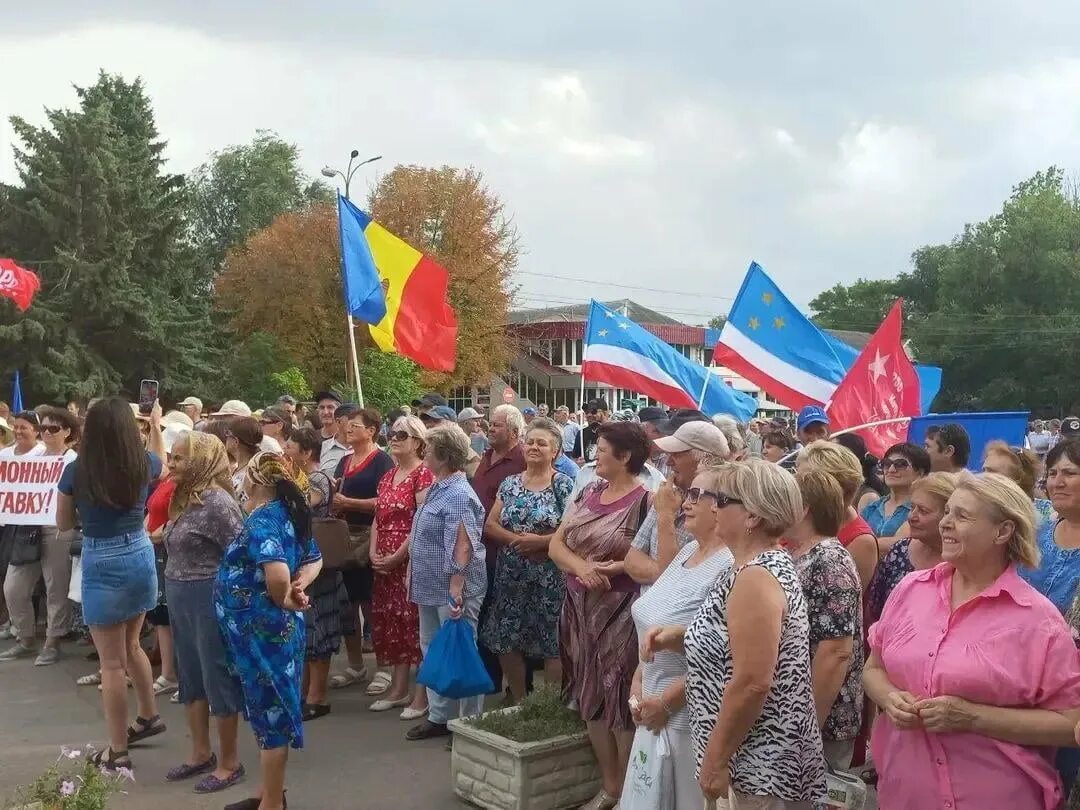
pixel 693 495
pixel 52 428
pixel 400 436
pixel 896 463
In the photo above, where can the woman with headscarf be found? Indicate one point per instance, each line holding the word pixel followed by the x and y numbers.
pixel 259 598
pixel 204 517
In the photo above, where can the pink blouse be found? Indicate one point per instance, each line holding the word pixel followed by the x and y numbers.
pixel 1008 647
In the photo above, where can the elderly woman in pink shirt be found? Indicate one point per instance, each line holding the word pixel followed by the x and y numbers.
pixel 976 672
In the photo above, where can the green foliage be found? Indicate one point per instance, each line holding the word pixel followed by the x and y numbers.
pixel 72 783
pixel 540 716
pixel 251 372
pixel 998 307
pixel 389 381
pixel 123 296
pixel 293 382
pixel 242 189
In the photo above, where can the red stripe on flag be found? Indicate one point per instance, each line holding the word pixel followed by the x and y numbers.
pixel 623 378
pixel 788 397
pixel 425 329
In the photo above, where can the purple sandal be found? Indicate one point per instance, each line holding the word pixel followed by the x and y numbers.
pixel 211 784
pixel 185 771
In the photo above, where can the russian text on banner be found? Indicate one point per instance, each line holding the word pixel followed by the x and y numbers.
pixel 28 490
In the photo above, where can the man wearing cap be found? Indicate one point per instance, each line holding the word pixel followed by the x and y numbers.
pixel 336 448
pixel 192 407
pixel 529 412
pixel 596 413
pixel 326 403
pixel 662 533
pixel 570 430
pixel 812 425
pixel 444 413
pixel 654 421
pixel 1070 428
pixel 469 419
pixel 234 407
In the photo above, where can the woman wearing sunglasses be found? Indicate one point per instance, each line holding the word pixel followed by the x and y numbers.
pixel 903 463
pixel 658 690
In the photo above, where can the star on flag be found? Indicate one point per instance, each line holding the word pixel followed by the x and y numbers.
pixel 877 365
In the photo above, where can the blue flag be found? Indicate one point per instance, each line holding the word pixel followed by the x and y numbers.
pixel 365 299
pixel 16 394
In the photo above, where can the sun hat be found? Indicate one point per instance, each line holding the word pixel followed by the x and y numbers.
pixel 469 413
pixel 703 436
pixel 194 401
pixel 234 407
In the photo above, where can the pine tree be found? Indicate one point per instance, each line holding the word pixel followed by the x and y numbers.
pixel 123 295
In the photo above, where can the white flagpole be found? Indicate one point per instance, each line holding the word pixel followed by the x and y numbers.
pixel 705 386
pixel 878 423
pixel 353 357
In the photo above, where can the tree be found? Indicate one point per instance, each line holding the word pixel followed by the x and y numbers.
pixel 292 381
pixel 242 189
pixel 451 215
pixel 285 281
pixel 998 307
pixel 860 306
pixel 95 215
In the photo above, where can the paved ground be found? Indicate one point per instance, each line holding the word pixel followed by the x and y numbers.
pixel 354 758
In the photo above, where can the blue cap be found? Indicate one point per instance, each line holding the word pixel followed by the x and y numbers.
pixel 811 414
pixel 440 412
pixel 529 410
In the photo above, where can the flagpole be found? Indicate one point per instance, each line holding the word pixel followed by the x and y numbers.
pixel 878 423
pixel 353 357
pixel 705 386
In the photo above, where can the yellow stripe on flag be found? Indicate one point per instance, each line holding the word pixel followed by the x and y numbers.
pixel 395 261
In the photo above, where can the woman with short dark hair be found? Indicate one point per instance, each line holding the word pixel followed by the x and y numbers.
pixel 776 445
pixel 107 487
pixel 903 464
pixel 597 637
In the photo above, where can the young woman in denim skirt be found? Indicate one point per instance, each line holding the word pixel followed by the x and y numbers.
pixel 106 486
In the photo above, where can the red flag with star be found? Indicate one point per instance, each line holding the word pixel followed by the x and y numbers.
pixel 18 283
pixel 881 384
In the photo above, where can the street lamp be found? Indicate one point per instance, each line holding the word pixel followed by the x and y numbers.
pixel 350 170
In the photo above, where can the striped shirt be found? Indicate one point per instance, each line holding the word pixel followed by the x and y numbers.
pixel 674 599
pixel 647 538
pixel 449 504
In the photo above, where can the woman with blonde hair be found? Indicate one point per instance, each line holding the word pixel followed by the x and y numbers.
pixel 855 534
pixel 204 517
pixel 976 673
pixel 1022 466
pixel 748 687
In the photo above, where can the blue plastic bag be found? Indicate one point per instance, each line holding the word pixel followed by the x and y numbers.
pixel 453 667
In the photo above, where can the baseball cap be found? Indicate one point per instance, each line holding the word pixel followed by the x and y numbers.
pixel 703 436
pixel 433 400
pixel 469 413
pixel 811 414
pixel 651 413
pixel 439 413
pixel 1070 426
pixel 331 395
pixel 234 407
pixel 195 401
pixel 529 410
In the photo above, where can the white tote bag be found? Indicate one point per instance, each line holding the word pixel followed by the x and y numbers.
pixel 650 774
pixel 75 588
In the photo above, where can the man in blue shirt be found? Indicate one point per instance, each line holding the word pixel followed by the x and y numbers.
pixel 570 430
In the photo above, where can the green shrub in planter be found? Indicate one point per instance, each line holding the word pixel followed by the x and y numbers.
pixel 540 716
pixel 72 783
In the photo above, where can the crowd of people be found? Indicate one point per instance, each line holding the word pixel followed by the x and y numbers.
pixel 776 605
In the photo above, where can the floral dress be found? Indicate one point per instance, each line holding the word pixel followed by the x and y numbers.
pixel 395 621
pixel 527 594
pixel 265 643
pixel 894 566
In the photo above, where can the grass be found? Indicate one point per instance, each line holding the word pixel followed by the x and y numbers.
pixel 540 716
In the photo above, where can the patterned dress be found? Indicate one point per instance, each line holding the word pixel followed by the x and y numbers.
pixel 395 622
pixel 833 594
pixel 781 755
pixel 329 616
pixel 894 566
pixel 265 643
pixel 527 594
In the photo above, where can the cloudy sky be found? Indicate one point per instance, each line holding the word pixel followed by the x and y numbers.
pixel 645 150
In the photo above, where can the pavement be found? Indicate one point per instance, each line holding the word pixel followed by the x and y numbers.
pixel 354 758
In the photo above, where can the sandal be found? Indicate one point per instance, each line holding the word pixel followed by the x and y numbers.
pixel 383 705
pixel 211 784
pixel 313 711
pixel 130 685
pixel 350 677
pixel 92 679
pixel 379 684
pixel 163 686
pixel 185 771
pixel 144 728
pixel 109 760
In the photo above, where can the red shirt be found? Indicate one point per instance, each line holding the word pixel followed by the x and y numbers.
pixel 856 527
pixel 487 478
pixel 157 505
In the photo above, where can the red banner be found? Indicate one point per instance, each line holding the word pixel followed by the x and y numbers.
pixel 18 283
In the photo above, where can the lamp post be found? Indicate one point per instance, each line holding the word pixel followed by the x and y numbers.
pixel 347 176
pixel 350 170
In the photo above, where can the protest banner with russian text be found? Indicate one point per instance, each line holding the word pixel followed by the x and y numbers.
pixel 28 490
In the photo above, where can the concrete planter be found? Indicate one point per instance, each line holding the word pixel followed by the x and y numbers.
pixel 494 772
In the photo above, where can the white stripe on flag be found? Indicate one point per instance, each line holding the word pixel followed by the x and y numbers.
pixel 639 363
pixel 780 370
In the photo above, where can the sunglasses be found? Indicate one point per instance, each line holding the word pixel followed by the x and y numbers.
pixel 50 429
pixel 724 500
pixel 400 436
pixel 269 422
pixel 895 463
pixel 693 495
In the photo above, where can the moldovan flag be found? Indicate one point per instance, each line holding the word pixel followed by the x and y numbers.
pixel 419 322
pixel 881 384
pixel 18 283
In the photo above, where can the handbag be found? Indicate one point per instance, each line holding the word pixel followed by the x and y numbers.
pixel 332 537
pixel 26 545
pixel 359 541
pixel 650 773
pixel 453 667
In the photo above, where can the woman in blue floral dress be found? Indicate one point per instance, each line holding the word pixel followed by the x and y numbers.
pixel 528 589
pixel 259 597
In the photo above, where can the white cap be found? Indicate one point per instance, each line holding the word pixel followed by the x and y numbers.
pixel 233 407
pixel 469 413
pixel 191 401
pixel 703 436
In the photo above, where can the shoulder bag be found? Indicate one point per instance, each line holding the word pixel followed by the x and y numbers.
pixel 25 544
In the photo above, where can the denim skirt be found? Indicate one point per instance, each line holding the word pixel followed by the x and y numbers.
pixel 119 580
pixel 201 662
